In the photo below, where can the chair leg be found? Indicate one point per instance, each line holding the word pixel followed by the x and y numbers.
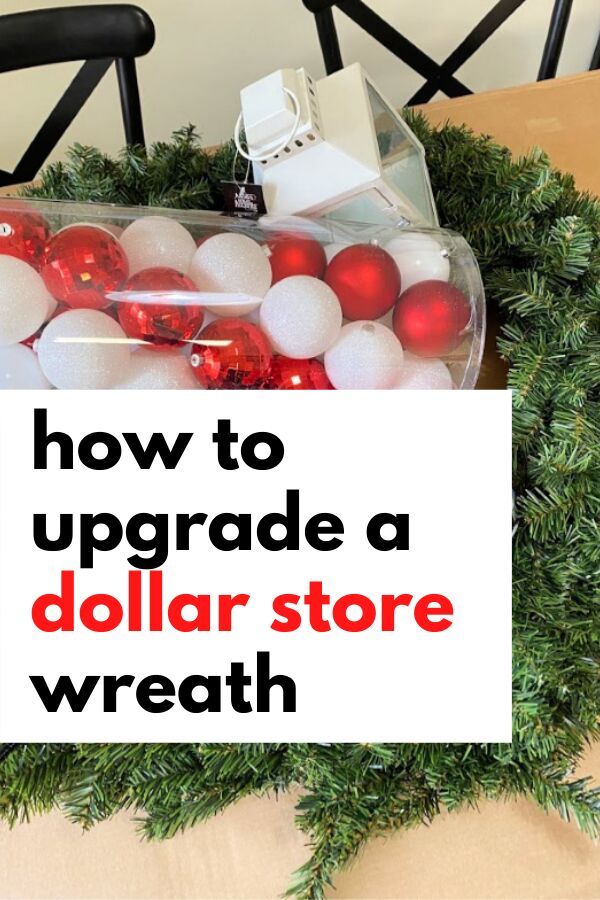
pixel 130 102
pixel 555 39
pixel 595 63
pixel 330 46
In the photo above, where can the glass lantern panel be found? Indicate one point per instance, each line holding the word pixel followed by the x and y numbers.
pixel 402 158
pixel 370 207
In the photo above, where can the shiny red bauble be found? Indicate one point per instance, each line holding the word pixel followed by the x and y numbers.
pixel 430 317
pixel 231 353
pixel 82 264
pixel 161 324
pixel 298 375
pixel 366 280
pixel 23 232
pixel 294 254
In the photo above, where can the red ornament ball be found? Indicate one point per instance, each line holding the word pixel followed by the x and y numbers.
pixel 165 324
pixel 82 264
pixel 366 280
pixel 23 233
pixel 298 375
pixel 430 317
pixel 294 254
pixel 231 353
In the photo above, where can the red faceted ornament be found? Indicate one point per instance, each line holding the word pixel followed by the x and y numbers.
pixel 160 325
pixel 294 254
pixel 231 353
pixel 430 317
pixel 366 280
pixel 23 232
pixel 298 375
pixel 82 264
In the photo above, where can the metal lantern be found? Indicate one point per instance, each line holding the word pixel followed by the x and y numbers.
pixel 334 148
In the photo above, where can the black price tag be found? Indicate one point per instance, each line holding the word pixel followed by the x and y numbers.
pixel 244 200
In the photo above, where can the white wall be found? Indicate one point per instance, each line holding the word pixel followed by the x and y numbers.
pixel 206 50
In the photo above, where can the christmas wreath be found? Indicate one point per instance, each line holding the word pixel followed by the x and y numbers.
pixel 537 240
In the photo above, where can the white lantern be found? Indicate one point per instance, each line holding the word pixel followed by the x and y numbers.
pixel 334 148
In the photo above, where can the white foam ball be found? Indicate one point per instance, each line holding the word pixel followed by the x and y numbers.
pixel 158 370
pixel 419 257
pixel 366 355
pixel 24 300
pixel 157 241
pixel 52 304
pixel 228 264
pixel 20 369
pixel 301 316
pixel 418 374
pixel 83 349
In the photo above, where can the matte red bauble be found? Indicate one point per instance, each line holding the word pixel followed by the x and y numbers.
pixel 429 318
pixel 293 254
pixel 23 233
pixel 231 353
pixel 160 325
pixel 366 280
pixel 82 264
pixel 298 375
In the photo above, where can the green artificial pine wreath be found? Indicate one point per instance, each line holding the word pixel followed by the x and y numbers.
pixel 537 240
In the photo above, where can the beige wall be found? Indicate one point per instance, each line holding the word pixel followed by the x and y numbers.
pixel 207 49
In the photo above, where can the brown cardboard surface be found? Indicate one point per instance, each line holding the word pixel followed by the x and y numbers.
pixel 509 851
pixel 503 851
pixel 562 116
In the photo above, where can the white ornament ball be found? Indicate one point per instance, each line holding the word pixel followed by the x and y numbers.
pixel 24 300
pixel 158 370
pixel 157 241
pixel 301 316
pixel 231 264
pixel 366 356
pixel 83 349
pixel 418 374
pixel 52 305
pixel 20 369
pixel 419 257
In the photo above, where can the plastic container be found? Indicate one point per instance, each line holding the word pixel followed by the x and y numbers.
pixel 402 308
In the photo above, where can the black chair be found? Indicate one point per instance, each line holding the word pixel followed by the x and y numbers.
pixel 437 77
pixel 100 35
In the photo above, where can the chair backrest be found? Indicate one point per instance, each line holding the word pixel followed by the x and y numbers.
pixel 99 36
pixel 438 76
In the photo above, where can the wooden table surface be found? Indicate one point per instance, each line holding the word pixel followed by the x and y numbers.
pixel 509 851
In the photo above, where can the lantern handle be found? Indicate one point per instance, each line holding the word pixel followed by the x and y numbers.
pixel 272 153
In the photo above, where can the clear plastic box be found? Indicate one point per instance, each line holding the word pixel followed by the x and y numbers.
pixel 281 302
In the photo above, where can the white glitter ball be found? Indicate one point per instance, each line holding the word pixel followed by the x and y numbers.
pixel 20 369
pixel 366 355
pixel 301 316
pixel 230 264
pixel 83 349
pixel 419 257
pixel 52 304
pixel 157 241
pixel 419 374
pixel 158 370
pixel 24 300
